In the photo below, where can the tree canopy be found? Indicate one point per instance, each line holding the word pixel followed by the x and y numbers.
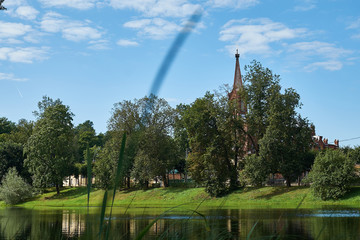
pixel 50 148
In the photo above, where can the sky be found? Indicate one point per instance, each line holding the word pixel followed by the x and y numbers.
pixel 92 54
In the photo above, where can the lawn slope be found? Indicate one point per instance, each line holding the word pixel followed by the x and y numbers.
pixel 265 197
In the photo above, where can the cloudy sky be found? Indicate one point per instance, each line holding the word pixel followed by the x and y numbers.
pixel 92 54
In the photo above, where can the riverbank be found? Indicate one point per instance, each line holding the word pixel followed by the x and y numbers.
pixel 247 198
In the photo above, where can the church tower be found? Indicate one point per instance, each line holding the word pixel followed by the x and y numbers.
pixel 238 87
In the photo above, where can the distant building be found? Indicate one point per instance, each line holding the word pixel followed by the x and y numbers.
pixel 320 143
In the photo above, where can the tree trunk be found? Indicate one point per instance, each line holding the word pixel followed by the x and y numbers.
pixel 165 182
pixel 128 182
pixel 288 183
pixel 57 189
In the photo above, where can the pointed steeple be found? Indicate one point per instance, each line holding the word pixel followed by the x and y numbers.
pixel 237 75
pixel 238 86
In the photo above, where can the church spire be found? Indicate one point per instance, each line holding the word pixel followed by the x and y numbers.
pixel 237 75
pixel 238 86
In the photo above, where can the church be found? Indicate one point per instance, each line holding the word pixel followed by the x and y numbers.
pixel 319 143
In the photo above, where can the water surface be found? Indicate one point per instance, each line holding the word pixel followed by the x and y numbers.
pixel 326 223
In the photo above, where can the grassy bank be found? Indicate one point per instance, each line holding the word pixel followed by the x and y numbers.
pixel 266 197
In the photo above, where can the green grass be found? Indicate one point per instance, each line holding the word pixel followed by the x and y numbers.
pixel 247 198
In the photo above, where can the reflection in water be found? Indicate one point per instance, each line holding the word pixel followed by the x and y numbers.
pixel 17 223
pixel 73 223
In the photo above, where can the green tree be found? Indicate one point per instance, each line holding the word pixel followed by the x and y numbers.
pixel 85 136
pixel 22 131
pixel 181 137
pixel 13 188
pixel 214 142
pixel 148 123
pixel 50 148
pixel 157 155
pixel 331 174
pixel 354 153
pixel 260 85
pixel 288 136
pixel 6 126
pixel 11 155
pixel 255 171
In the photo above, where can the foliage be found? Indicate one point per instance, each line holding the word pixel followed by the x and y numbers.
pixel 50 148
pixel 288 136
pixel 105 163
pixel 260 85
pixel 214 141
pixel 11 155
pixel 157 155
pixel 13 188
pixel 353 153
pixel 18 133
pixel 85 136
pixel 148 123
pixel 331 174
pixel 256 170
pixel 6 126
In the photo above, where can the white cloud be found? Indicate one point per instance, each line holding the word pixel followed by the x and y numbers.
pixel 71 30
pixel 155 8
pixel 155 28
pixel 356 36
pixel 256 35
pixel 305 5
pixel 325 55
pixel 26 12
pixel 241 4
pixel 320 49
pixel 355 24
pixel 331 65
pixel 100 44
pixel 23 54
pixel 80 33
pixel 11 77
pixel 15 3
pixel 78 4
pixel 13 30
pixel 127 43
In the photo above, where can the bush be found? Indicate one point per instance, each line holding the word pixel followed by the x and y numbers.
pixel 215 188
pixel 13 188
pixel 331 174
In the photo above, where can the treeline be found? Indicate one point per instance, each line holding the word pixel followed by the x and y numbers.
pixel 207 139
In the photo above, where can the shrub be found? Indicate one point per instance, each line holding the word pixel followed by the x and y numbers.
pixel 13 188
pixel 331 174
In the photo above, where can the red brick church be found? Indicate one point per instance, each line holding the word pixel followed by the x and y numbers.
pixel 319 143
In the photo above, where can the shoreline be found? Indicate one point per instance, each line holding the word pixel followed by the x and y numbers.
pixel 164 198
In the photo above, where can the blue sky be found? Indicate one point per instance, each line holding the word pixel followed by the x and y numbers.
pixel 92 54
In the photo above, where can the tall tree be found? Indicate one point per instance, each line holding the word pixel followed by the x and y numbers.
pixel 260 85
pixel 85 136
pixel 211 127
pixel 50 148
pixel 288 136
pixel 142 119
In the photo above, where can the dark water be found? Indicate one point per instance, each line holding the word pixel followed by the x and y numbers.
pixel 327 223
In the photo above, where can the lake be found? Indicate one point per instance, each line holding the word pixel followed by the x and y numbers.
pixel 325 223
